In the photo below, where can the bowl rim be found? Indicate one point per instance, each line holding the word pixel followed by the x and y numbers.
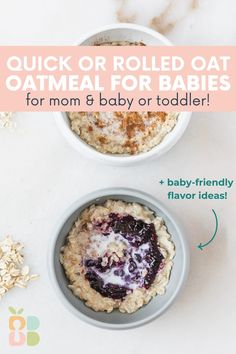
pixel 103 193
pixel 158 150
pixel 124 25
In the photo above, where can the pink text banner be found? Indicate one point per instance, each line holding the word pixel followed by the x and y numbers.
pixel 123 78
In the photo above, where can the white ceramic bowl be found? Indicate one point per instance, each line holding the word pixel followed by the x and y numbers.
pixel 115 319
pixel 123 32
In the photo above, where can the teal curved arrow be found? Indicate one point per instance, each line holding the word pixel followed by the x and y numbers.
pixel 201 246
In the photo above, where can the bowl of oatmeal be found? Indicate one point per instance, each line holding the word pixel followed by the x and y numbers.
pixel 123 138
pixel 118 259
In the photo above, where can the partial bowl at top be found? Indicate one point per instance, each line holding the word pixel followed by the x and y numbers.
pixel 121 33
pixel 116 319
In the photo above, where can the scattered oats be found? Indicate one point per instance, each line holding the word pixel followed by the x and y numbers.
pixel 2 264
pixel 34 276
pixel 20 284
pixel 2 291
pixel 6 120
pixel 25 270
pixel 12 274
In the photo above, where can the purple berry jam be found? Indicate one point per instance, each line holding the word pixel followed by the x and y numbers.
pixel 114 275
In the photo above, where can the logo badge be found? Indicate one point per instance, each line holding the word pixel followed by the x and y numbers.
pixel 23 329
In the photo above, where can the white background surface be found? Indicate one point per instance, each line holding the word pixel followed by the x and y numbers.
pixel 40 175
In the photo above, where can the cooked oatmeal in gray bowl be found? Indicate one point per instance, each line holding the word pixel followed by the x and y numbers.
pixel 118 259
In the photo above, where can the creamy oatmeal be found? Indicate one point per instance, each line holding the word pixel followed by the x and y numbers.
pixel 120 43
pixel 118 256
pixel 122 132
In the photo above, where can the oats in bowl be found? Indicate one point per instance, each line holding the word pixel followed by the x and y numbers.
pixel 122 132
pixel 118 255
pixel 119 43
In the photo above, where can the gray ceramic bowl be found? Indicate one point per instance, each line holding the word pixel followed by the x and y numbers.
pixel 117 320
